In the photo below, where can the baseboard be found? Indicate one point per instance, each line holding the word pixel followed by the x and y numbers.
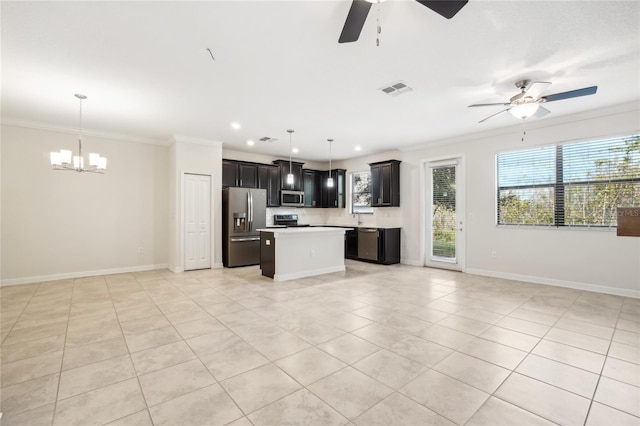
pixel 309 273
pixel 558 283
pixel 67 275
pixel 218 266
pixel 176 269
pixel 411 262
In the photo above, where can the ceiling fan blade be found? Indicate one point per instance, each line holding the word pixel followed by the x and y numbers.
pixel 536 88
pixel 570 94
pixel 491 116
pixel 541 112
pixel 355 21
pixel 498 103
pixel 445 8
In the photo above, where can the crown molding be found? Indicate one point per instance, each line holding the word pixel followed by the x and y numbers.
pixel 531 125
pixel 197 141
pixel 85 132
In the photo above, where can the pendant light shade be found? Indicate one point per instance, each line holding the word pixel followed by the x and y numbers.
pixel 290 175
pixel 330 180
pixel 65 160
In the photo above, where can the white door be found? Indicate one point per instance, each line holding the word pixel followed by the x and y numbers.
pixel 197 222
pixel 445 214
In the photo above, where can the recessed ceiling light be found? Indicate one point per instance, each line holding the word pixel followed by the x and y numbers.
pixel 358 148
pixel 235 125
pixel 295 150
pixel 250 142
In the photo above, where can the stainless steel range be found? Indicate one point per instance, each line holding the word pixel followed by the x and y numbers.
pixel 288 220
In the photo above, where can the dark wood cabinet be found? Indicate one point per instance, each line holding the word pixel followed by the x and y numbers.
pixel 269 179
pixel 351 244
pixel 247 175
pixel 296 170
pixel 385 183
pixel 335 196
pixel 238 173
pixel 312 183
pixel 389 245
pixel 318 194
pixel 229 173
pixel 377 245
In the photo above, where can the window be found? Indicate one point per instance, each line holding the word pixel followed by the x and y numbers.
pixel 573 184
pixel 361 192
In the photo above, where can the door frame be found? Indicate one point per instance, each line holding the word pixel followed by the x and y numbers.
pixel 425 209
pixel 182 219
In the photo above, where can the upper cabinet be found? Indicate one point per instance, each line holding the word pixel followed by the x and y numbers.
pixel 269 179
pixel 229 173
pixel 318 194
pixel 273 178
pixel 385 183
pixel 312 182
pixel 296 169
pixel 334 196
pixel 238 173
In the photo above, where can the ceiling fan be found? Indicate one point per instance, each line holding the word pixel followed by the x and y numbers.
pixel 527 103
pixel 360 9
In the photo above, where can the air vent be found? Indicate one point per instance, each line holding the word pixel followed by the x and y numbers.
pixel 396 89
pixel 267 139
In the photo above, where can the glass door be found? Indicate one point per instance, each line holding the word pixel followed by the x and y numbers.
pixel 444 221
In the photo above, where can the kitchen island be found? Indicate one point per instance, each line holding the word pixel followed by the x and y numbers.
pixel 291 253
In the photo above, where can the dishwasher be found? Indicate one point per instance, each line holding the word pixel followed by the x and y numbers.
pixel 368 243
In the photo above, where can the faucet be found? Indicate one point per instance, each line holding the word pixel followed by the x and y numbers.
pixel 359 218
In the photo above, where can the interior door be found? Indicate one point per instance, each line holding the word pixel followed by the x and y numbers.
pixel 445 214
pixel 197 222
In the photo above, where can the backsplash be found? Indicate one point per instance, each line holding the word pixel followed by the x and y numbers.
pixel 386 217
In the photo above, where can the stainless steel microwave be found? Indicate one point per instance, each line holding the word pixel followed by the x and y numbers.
pixel 291 198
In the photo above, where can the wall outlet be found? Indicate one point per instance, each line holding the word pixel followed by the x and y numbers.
pixel 312 253
pixel 140 250
pixel 494 254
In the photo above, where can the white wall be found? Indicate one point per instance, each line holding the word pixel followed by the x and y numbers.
pixel 590 259
pixel 382 217
pixel 187 155
pixel 58 224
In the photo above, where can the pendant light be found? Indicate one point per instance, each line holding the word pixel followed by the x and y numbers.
pixel 330 180
pixel 62 160
pixel 290 175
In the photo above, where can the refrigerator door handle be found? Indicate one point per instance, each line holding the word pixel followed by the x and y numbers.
pixel 249 210
pixel 243 239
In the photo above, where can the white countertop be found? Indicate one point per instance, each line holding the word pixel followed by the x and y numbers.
pixel 304 229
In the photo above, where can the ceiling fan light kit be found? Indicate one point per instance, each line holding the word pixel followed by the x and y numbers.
pixel 527 103
pixel 524 110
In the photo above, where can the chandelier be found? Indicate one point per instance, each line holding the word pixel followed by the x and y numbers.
pixel 63 160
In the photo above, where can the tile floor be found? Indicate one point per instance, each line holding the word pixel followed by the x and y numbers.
pixel 375 345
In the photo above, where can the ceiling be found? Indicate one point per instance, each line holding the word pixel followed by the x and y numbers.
pixel 147 74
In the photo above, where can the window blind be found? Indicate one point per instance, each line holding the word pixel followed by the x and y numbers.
pixel 573 184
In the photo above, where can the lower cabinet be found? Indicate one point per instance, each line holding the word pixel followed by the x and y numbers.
pixel 267 254
pixel 351 244
pixel 379 245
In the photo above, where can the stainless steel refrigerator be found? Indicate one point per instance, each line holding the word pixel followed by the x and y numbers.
pixel 243 211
